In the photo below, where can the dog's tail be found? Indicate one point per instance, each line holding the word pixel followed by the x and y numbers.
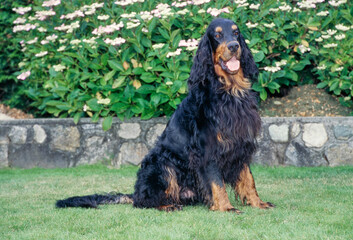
pixel 92 201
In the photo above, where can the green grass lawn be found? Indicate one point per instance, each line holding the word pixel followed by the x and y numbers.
pixel 312 203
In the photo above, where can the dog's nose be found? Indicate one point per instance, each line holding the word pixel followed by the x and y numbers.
pixel 233 46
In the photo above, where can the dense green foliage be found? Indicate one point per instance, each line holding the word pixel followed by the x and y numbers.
pixel 311 203
pixel 128 58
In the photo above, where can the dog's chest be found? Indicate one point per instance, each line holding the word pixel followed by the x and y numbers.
pixel 236 119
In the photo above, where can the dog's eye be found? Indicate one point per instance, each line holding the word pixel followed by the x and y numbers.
pixel 218 35
pixel 236 33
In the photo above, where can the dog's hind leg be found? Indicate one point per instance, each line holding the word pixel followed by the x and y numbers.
pixel 156 185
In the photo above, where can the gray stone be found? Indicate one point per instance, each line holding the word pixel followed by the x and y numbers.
pixel 18 135
pixel 37 155
pixel 269 153
pixel 295 130
pixel 96 150
pixel 129 130
pixel 298 155
pixel 314 135
pixel 131 152
pixel 39 134
pixel 4 140
pixel 340 154
pixel 65 139
pixel 154 133
pixel 279 133
pixel 343 132
pixel 4 161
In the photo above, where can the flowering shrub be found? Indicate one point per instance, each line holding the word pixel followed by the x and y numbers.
pixel 133 57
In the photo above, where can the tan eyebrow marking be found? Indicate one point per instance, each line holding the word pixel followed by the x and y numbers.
pixel 219 29
pixel 234 27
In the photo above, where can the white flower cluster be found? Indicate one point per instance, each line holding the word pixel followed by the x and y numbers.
pixel 158 46
pixel 274 9
pixel 322 67
pixel 331 32
pixel 296 10
pixel 19 21
pixel 91 42
pixel 319 39
pixel 340 36
pixel 284 7
pixel 134 23
pixel 61 49
pixel 341 27
pixel 41 54
pixel 199 2
pixel 127 2
pixel 269 25
pixel 303 49
pixel 68 28
pixel 32 41
pixel 251 25
pixel 71 16
pixel 337 3
pixel 323 13
pixel 104 101
pixel 91 9
pixel 42 15
pixel 330 45
pixel 25 27
pixel 103 17
pixel 173 54
pixel 22 10
pixel 115 42
pixel 59 68
pixel 281 63
pixel 183 12
pixel 42 29
pixel 51 38
pixel 162 10
pixel 215 12
pixel 128 15
pixel 190 44
pixel 272 69
pixel 309 3
pixel 241 3
pixel 254 6
pixel 24 75
pixel 51 3
pixel 108 29
pixel 179 4
pixel 338 69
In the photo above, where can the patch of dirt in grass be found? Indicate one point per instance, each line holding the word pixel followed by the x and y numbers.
pixel 304 101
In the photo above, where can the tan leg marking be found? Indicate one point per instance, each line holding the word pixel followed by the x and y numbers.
pixel 246 190
pixel 220 200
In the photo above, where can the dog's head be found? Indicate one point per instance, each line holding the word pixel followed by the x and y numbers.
pixel 223 52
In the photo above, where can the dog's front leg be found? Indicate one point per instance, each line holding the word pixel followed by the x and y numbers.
pixel 246 190
pixel 214 189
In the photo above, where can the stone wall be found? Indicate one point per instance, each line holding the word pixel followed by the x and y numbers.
pixel 50 143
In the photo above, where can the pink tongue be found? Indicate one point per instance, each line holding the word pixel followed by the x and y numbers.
pixel 233 64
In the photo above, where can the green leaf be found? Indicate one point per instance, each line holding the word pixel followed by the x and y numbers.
pixel 145 89
pixel 321 85
pixel 115 65
pixel 148 77
pixel 107 123
pixel 77 117
pixel 263 94
pixel 94 105
pixel 109 75
pixel 164 33
pixel 334 85
pixel 118 82
pixel 259 56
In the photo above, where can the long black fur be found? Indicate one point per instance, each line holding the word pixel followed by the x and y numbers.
pixel 188 146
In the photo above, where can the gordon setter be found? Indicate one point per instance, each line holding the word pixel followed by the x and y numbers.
pixel 209 140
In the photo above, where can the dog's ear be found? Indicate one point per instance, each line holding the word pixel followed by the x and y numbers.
pixel 247 61
pixel 203 63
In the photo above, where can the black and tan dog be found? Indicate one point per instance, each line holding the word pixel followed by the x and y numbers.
pixel 209 140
